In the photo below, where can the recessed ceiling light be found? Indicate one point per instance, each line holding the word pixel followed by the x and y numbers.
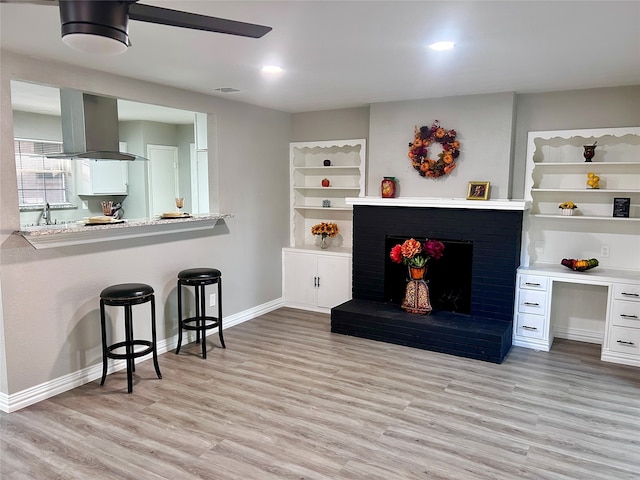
pixel 442 46
pixel 272 69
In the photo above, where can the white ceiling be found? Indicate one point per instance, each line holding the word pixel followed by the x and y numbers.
pixel 339 54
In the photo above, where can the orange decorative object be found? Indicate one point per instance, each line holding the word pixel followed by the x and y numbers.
pixel 388 187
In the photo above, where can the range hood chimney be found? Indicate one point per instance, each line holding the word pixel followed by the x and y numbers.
pixel 90 127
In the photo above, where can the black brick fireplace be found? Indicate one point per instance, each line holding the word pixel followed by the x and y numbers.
pixel 484 333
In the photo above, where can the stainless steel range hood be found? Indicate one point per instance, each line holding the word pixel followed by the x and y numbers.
pixel 90 127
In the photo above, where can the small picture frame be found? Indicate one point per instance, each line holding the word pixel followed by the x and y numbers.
pixel 478 191
pixel 621 207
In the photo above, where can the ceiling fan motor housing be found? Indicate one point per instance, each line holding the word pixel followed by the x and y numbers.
pixel 106 19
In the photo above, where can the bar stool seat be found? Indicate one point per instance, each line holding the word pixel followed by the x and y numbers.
pixel 126 295
pixel 200 322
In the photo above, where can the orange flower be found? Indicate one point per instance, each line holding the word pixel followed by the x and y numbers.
pixel 424 167
pixel 410 248
pixel 448 158
pixel 456 144
pixel 441 132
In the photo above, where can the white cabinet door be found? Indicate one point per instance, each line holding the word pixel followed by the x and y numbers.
pixel 103 177
pixel 316 281
pixel 300 279
pixel 334 282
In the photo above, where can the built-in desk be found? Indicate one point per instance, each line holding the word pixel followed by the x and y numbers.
pixel 534 296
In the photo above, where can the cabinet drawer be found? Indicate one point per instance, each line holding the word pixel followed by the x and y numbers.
pixel 532 301
pixel 625 314
pixel 624 340
pixel 533 282
pixel 622 291
pixel 530 326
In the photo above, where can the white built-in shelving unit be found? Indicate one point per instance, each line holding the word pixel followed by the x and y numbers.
pixel 318 279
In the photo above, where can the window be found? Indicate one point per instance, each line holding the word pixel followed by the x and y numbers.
pixel 40 179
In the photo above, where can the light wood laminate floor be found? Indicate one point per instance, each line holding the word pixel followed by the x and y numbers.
pixel 289 400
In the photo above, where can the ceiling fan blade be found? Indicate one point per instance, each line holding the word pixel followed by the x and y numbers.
pixel 176 18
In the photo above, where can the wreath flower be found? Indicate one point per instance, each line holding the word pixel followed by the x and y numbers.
pixel 424 137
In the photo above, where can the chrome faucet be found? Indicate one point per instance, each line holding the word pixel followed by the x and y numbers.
pixel 46 214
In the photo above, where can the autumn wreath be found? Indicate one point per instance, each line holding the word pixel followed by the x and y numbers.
pixel 424 137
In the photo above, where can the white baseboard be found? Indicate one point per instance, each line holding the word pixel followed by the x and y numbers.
pixel 35 394
pixel 587 336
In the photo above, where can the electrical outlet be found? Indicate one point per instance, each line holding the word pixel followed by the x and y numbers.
pixel 212 300
pixel 604 251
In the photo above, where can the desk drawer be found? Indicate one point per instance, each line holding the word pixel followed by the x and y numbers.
pixel 533 282
pixel 530 326
pixel 532 301
pixel 625 314
pixel 622 291
pixel 624 340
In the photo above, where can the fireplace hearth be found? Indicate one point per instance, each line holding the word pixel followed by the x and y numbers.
pixel 480 329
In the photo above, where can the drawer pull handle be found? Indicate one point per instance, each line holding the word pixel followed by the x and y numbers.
pixel 625 343
pixel 526 327
pixel 531 284
pixel 624 315
pixel 530 304
pixel 630 294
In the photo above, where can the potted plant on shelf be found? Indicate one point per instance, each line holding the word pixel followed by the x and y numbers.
pixel 567 208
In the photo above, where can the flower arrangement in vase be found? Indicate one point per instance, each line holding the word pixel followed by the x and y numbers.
pixel 416 254
pixel 325 230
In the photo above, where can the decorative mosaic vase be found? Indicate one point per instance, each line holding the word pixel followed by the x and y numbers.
pixel 416 297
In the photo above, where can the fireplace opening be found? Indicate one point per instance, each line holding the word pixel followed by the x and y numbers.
pixel 449 278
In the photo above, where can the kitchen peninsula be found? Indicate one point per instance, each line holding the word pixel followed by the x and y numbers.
pixel 77 233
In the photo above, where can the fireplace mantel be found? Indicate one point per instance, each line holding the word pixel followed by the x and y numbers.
pixel 427 202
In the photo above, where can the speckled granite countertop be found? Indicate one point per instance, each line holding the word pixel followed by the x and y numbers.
pixel 75 233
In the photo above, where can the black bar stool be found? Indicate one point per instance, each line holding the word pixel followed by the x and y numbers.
pixel 199 278
pixel 126 295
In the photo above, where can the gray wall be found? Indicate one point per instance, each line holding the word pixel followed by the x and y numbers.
pixel 593 108
pixel 49 306
pixel 483 123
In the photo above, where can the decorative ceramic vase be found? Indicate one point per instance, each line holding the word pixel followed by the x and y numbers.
pixel 567 212
pixel 324 241
pixel 416 298
pixel 388 187
pixel 589 152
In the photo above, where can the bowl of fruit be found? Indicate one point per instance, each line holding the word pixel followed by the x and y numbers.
pixel 579 265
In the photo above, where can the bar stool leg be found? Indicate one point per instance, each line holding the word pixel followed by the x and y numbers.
pixel 104 342
pixel 220 312
pixel 153 336
pixel 179 317
pixel 198 314
pixel 202 322
pixel 128 329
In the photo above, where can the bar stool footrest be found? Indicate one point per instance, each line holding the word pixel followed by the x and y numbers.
pixel 124 356
pixel 186 323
